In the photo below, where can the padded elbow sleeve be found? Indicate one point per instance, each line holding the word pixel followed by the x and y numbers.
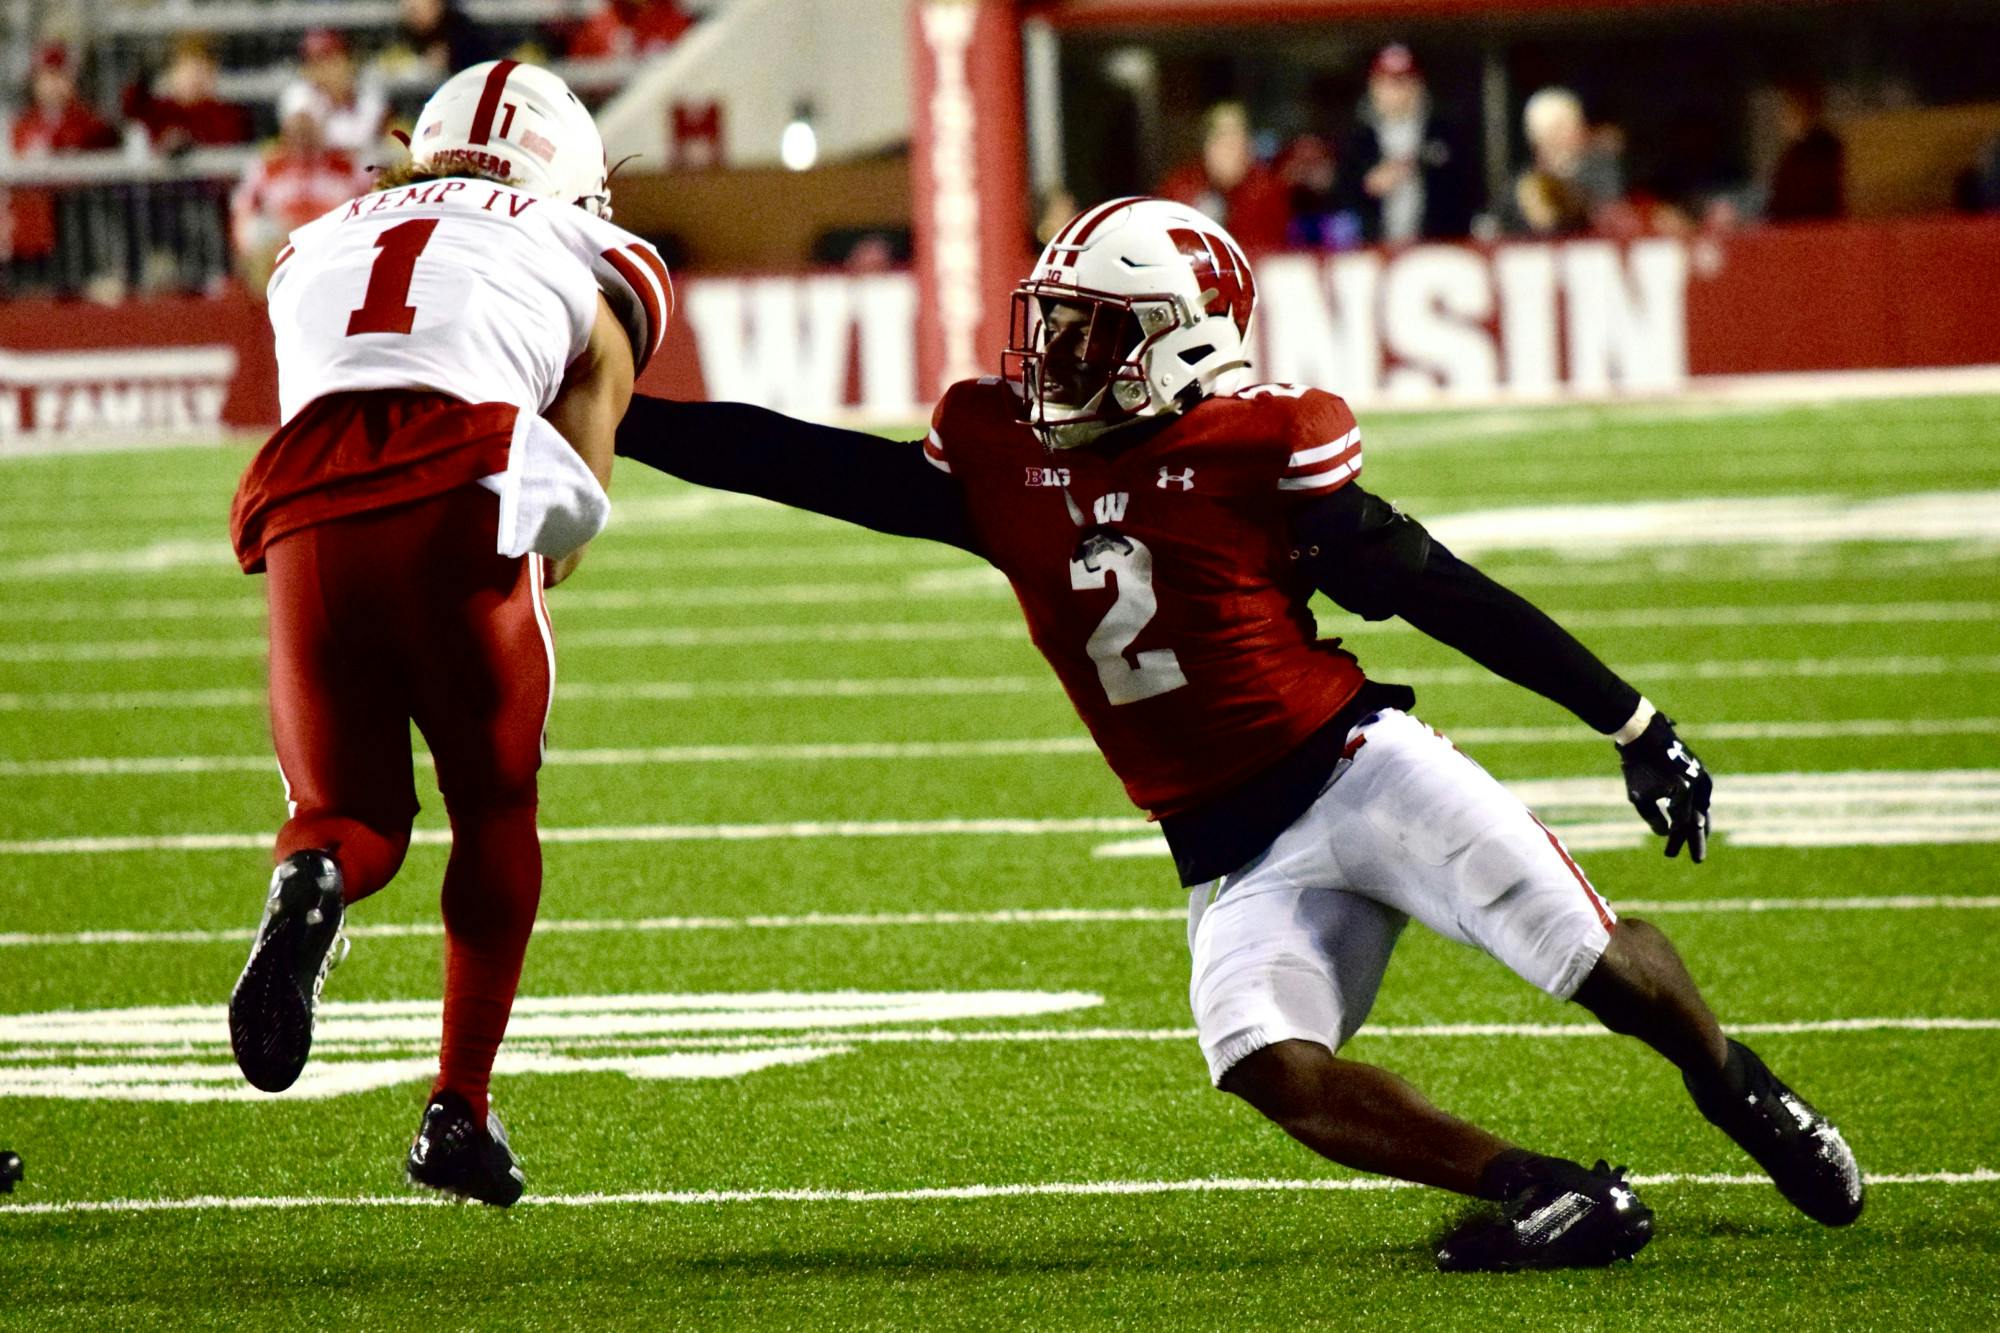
pixel 1361 551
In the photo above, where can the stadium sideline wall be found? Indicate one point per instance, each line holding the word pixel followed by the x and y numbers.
pixel 1436 325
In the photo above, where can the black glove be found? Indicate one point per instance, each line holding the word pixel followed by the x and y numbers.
pixel 1668 786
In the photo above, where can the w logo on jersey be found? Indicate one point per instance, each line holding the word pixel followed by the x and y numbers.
pixel 1223 273
pixel 1111 508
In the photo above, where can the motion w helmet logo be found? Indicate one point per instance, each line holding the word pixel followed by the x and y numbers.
pixel 1221 272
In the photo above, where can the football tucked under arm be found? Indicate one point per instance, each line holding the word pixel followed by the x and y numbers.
pixel 882 484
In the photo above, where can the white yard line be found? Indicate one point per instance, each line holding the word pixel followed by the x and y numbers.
pixel 932 583
pixel 1781 564
pixel 94 1051
pixel 1012 916
pixel 643 691
pixel 1758 668
pixel 1032 1036
pixel 669 636
pixel 624 833
pixel 1971 515
pixel 929 1194
pixel 904 751
pixel 1723 520
pixel 717 636
pixel 1856 808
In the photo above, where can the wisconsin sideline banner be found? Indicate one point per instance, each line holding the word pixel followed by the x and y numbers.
pixel 1439 325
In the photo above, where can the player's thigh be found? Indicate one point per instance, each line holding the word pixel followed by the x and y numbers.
pixel 1430 832
pixel 339 719
pixel 481 659
pixel 1276 961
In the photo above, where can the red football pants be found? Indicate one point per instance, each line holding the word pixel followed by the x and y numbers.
pixel 403 615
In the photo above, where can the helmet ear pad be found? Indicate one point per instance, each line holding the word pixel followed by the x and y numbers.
pixel 1179 276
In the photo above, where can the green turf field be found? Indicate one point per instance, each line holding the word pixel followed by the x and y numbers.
pixel 903 1036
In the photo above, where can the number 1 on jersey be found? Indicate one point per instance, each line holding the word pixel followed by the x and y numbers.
pixel 385 306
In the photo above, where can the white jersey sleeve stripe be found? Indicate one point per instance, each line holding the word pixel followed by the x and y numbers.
pixel 934 452
pixel 636 277
pixel 1321 452
pixel 1320 480
pixel 658 268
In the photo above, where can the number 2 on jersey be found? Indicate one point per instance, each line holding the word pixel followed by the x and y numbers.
pixel 1126 679
pixel 385 306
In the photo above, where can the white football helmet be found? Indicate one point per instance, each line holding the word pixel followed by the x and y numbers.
pixel 1138 308
pixel 520 122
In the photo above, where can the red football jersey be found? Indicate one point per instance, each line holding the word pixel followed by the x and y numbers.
pixel 1158 580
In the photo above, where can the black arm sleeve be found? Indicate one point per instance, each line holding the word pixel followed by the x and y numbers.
pixel 1376 561
pixel 886 485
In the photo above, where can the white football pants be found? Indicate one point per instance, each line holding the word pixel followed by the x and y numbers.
pixel 1293 945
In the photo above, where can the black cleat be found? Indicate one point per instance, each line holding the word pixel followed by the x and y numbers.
pixel 299 942
pixel 454 1154
pixel 1802 1152
pixel 1566 1217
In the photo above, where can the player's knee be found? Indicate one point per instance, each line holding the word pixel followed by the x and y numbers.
pixel 1286 1080
pixel 1638 969
pixel 480 790
pixel 1638 954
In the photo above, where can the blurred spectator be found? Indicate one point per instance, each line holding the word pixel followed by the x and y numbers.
pixel 1572 178
pixel 875 249
pixel 630 28
pixel 349 105
pixel 1229 184
pixel 1809 180
pixel 1977 189
pixel 1311 177
pixel 55 121
pixel 184 241
pixel 1403 172
pixel 298 178
pixel 436 37
pixel 1055 208
pixel 180 109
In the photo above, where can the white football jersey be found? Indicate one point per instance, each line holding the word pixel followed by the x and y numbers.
pixel 460 286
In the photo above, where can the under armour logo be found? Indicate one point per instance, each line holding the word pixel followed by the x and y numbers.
pixel 1111 508
pixel 1183 479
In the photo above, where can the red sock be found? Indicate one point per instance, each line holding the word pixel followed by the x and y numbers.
pixel 491 890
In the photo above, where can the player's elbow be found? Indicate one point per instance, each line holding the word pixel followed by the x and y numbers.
pixel 1378 573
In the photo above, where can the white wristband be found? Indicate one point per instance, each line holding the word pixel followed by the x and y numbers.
pixel 1636 726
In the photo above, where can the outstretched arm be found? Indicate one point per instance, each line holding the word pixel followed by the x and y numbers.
pixel 882 484
pixel 1378 562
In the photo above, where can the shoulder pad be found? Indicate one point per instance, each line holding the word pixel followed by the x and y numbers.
pixel 632 277
pixel 1316 432
pixel 969 412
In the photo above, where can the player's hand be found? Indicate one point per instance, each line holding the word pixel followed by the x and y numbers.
pixel 1668 786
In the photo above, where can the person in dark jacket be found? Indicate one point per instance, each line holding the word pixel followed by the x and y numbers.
pixel 1402 170
pixel 1809 182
